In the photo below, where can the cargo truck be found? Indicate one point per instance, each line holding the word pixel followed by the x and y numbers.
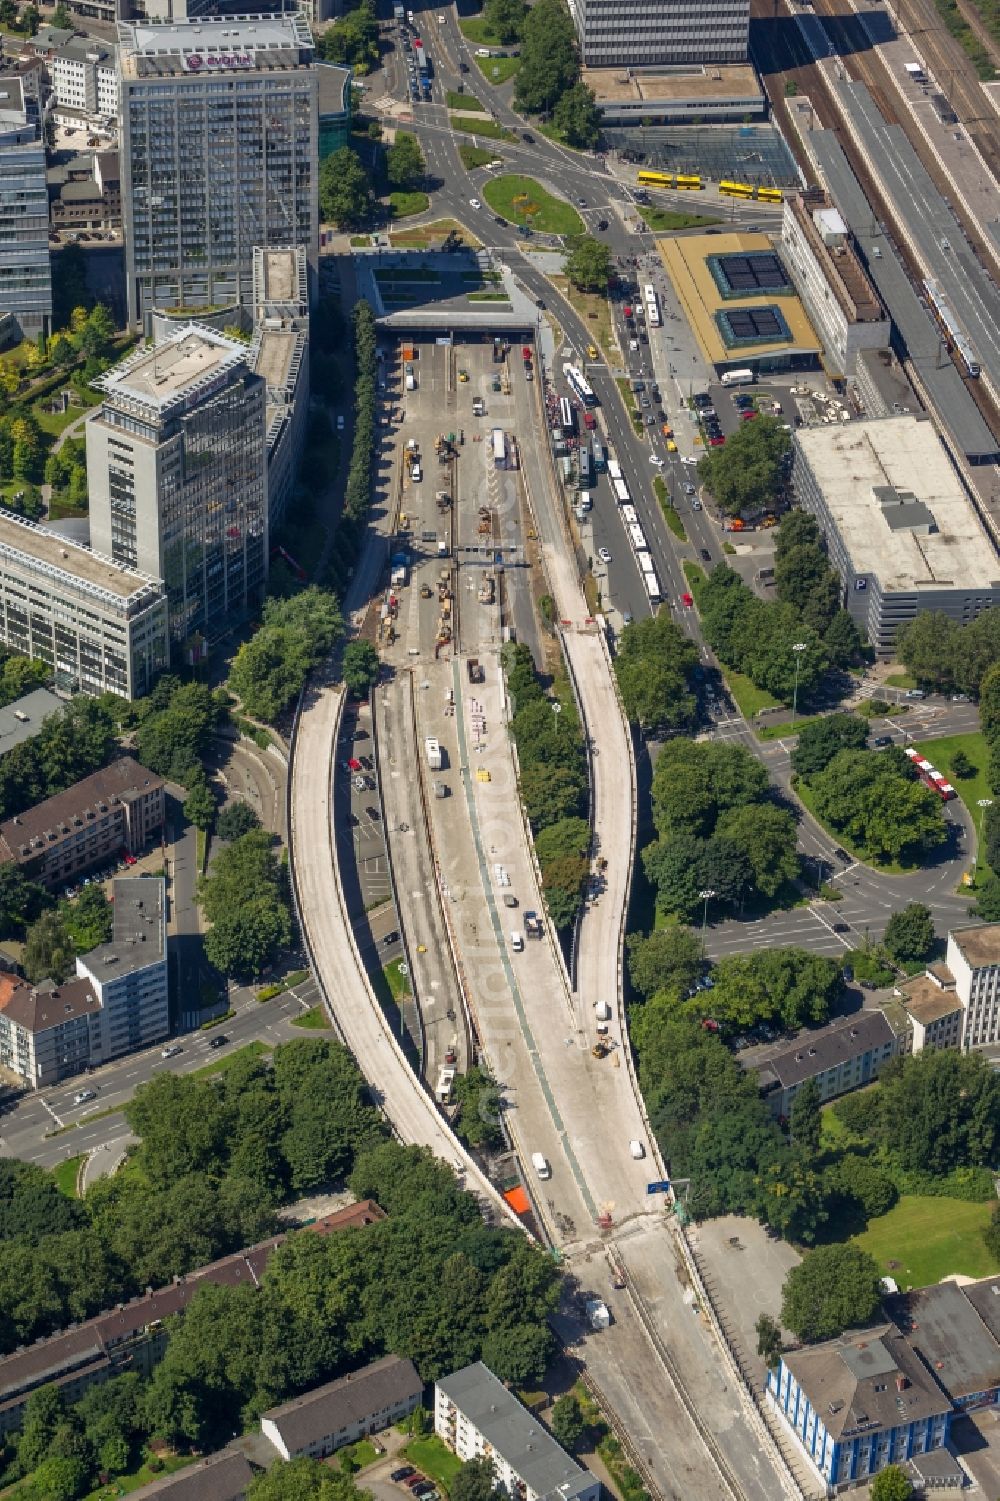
pixel 432 748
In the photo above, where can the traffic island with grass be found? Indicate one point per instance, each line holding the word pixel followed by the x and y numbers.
pixel 524 201
pixel 405 205
pixel 466 102
pixel 664 220
pixel 473 125
pixel 476 156
pixel 498 70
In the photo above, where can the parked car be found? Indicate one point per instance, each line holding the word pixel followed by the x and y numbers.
pixel 390 939
pixel 604 555
pixel 220 1041
pixel 403 1473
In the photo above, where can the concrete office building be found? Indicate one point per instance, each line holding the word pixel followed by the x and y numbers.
pixel 128 975
pixel 900 528
pixel 859 1403
pixel 708 94
pixel 219 154
pixel 280 355
pixel 84 73
pixel 841 302
pixel 177 467
pixel 25 266
pixel 614 34
pixel 100 626
pixel 475 1414
pixel 973 957
pixel 22 719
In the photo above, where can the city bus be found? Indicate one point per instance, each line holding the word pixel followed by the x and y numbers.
pixel 630 516
pixel 637 537
pixel 621 492
pixel 689 183
pixel 586 465
pixel 652 306
pixel 656 179
pixel 567 416
pixel 652 587
pixel 614 470
pixel 770 195
pixel 600 457
pixel 499 447
pixel 579 386
pixel 736 189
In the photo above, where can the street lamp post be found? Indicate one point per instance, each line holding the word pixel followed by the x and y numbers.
pixel 706 897
pixel 982 804
pixel 798 647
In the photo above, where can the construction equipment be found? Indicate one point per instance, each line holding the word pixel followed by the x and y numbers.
pixel 600 1049
pixel 443 500
pixel 475 670
pixel 425 591
pixel 463 376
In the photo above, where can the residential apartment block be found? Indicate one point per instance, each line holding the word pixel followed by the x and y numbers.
pixel 128 975
pixel 859 1403
pixel 614 34
pixel 328 1417
pixel 900 527
pixel 133 1336
pixel 177 469
pixel 843 1056
pixel 25 266
pixel 934 1011
pixel 47 1033
pixel 119 808
pixel 219 155
pixel 99 623
pixel 841 302
pixel 475 1414
pixel 973 957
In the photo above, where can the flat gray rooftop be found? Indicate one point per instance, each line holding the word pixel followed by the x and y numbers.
pixel 160 376
pixel 913 323
pixel 137 937
pixel 944 1327
pixel 859 466
pixel 57 555
pixel 22 719
pixel 217 34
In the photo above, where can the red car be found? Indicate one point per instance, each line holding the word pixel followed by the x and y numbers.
pixel 526 351
pixel 627 311
pixel 716 442
pixel 687 599
pixel 589 421
pixel 748 415
pixel 414 1479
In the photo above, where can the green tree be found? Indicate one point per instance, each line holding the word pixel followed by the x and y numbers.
pixel 909 934
pixel 96 338
pixel 577 117
pixel 475 1481
pixel 860 1179
pixel 199 805
pixel 655 666
pixel 30 20
pixel 745 474
pixel 876 801
pixel 987 905
pixel 767 836
pixel 961 766
pixel 505 19
pixel 304 1480
pixel 405 163
pixel 807 1118
pixel 790 1198
pixel 88 920
pixel 891 1484
pixel 568 1423
pixel 940 1110
pixel 362 667
pixel 235 820
pixel 60 1478
pixel 991 1233
pixel 8 13
pixel 269 670
pixel 834 1288
pixel 820 740
pixel 769 1344
pixel 786 985
pixel 671 957
pixel 928 647
pixel 62 18
pixel 49 952
pixel 345 193
pixel 44 1411
pixel 672 864
pixel 352 40
pixel 842 640
pixel 552 793
pixel 245 940
pixel 550 62
pixel 588 264
pixel 21 900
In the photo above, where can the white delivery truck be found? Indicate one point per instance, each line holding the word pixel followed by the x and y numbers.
pixel 432 748
pixel 541 1165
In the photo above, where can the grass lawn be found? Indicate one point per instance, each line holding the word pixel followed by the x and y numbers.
pixel 123 1484
pixel 66 1175
pixel 488 297
pixel 466 101
pixel 522 200
pixel 661 220
pixel 221 1065
pixel 403 205
pixel 360 242
pixel 749 699
pixel 314 1019
pixel 430 1455
pixel 55 423
pixel 476 156
pixel 498 70
pixel 596 313
pixel 924 1239
pixel 900 680
pixel 424 236
pixel 398 983
pixel 476 29
pixel 695 576
pixel 669 510
pixel 472 126
pixel 786 728
pixel 941 754
pixel 363 1453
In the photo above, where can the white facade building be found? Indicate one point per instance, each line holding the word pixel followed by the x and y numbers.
pixel 973 957
pixel 318 1422
pixel 84 75
pixel 219 154
pixel 475 1414
pixel 615 34
pixel 177 468
pixel 129 974
pixel 25 264
pixel 841 302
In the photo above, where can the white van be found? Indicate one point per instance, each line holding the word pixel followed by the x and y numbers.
pixel 517 942
pixel 603 1011
pixel 541 1165
pixel 585 501
pixel 637 1149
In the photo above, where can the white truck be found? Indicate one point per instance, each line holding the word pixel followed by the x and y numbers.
pixel 598 1316
pixel 432 749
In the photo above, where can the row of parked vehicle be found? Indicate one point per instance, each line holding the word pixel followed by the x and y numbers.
pixel 416 1484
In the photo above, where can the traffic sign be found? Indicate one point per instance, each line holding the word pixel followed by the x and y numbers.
pixel 662 1187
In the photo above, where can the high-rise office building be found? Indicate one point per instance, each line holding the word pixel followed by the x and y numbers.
pixel 177 468
pixel 218 155
pixel 656 33
pixel 25 268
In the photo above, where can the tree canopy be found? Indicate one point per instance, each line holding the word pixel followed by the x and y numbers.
pixel 745 474
pixel 821 739
pixel 245 898
pixel 345 190
pixel 269 670
pixel 757 637
pixel 877 803
pixel 834 1288
pixel 550 61
pixel 588 262
pixel 655 665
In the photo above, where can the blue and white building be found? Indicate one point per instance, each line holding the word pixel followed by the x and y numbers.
pixel 859 1403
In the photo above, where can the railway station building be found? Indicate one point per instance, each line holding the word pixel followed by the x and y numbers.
pixel 900 527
